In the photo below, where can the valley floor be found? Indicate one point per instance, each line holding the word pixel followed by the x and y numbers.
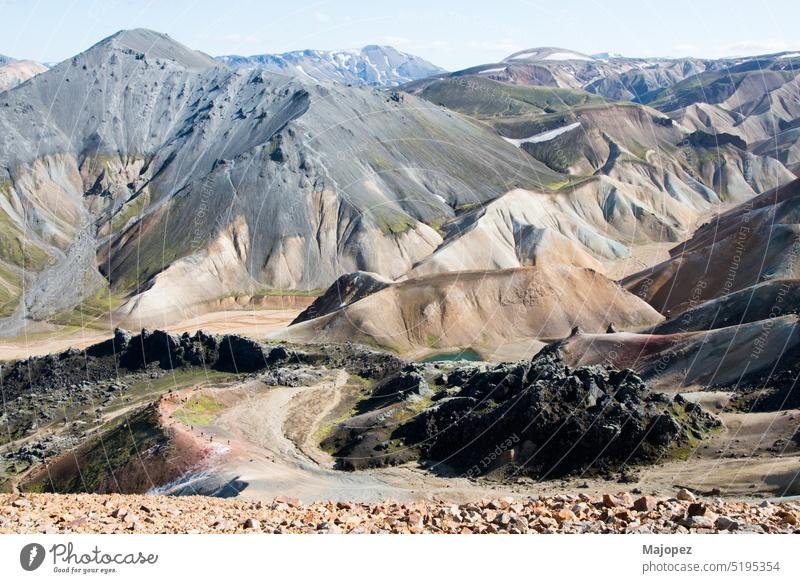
pixel 267 442
pixel 254 323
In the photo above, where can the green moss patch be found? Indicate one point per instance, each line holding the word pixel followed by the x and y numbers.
pixel 200 410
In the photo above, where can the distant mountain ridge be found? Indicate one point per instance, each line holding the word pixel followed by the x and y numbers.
pixel 369 65
pixel 15 71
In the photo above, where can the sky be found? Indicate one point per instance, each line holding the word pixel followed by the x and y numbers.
pixel 453 34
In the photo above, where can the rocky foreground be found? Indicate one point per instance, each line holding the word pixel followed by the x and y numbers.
pixel 620 513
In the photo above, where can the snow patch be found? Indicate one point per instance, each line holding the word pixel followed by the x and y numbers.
pixel 543 136
pixel 567 57
pixel 558 56
pixel 497 70
pixel 525 55
pixel 299 68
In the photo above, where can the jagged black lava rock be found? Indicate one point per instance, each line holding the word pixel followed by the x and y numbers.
pixel 545 419
pixel 401 385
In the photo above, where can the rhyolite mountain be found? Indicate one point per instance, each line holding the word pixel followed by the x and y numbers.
pixel 731 297
pixel 15 71
pixel 144 173
pixel 611 76
pixel 757 100
pixel 369 65
pixel 514 309
pixel 633 175
pixel 753 97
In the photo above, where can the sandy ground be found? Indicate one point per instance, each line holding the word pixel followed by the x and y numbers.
pixel 752 456
pixel 641 257
pixel 255 323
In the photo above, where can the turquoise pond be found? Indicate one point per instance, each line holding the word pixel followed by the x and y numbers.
pixel 466 354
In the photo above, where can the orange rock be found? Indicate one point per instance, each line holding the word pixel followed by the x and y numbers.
pixel 609 501
pixel 645 504
pixel 565 514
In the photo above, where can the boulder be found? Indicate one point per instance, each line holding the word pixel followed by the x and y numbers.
pixel 725 523
pixel 699 522
pixel 157 347
pixel 403 385
pixel 240 354
pixel 113 347
pixel 697 509
pixel 645 504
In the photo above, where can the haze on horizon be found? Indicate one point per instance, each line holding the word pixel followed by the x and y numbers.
pixel 448 33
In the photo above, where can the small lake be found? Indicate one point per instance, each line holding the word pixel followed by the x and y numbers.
pixel 466 354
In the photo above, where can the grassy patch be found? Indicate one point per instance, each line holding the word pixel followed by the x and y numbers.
pixel 437 223
pixel 567 183
pixel 487 99
pixel 151 255
pixel 200 410
pixel 91 309
pixel 128 211
pixel 10 290
pixel 175 380
pixel 688 447
pixel 468 206
pixel 380 163
pixel 363 389
pixel 393 222
pixel 16 249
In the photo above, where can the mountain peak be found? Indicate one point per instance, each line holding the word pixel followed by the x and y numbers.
pixel 157 45
pixel 548 54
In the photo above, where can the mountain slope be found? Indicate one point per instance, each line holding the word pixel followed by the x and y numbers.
pixel 610 76
pixel 754 242
pixel 479 309
pixel 734 357
pixel 731 297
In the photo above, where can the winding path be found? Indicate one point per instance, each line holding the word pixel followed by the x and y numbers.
pixel 265 463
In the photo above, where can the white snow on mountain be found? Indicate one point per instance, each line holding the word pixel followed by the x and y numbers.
pixel 543 136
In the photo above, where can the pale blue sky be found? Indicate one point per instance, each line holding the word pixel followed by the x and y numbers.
pixel 450 33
